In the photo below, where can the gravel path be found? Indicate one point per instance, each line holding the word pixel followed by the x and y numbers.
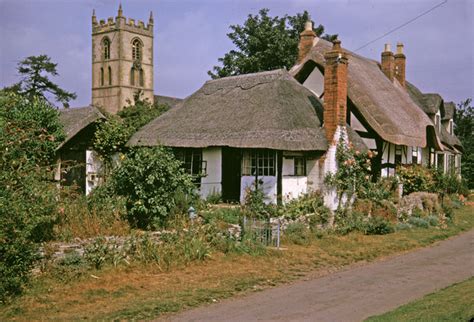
pixel 353 294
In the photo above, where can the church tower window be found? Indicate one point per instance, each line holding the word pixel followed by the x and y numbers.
pixel 136 50
pixel 110 76
pixel 142 78
pixel 101 76
pixel 106 48
pixel 132 76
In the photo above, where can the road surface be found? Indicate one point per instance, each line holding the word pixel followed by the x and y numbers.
pixel 353 294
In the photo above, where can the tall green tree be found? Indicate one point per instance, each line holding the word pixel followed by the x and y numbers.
pixel 35 72
pixel 30 132
pixel 264 43
pixel 464 130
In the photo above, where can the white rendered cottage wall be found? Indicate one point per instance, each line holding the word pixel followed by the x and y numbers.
pixel 212 182
pixel 269 187
pixel 315 82
pixel 93 170
pixel 292 186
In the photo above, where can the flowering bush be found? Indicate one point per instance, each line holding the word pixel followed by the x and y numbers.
pixel 354 170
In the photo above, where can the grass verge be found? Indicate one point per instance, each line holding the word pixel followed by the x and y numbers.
pixel 144 292
pixel 454 303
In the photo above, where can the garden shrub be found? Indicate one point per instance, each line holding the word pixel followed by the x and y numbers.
pixel 403 226
pixel 30 132
pixel 448 211
pixel 214 198
pixel 297 233
pixel 228 215
pixel 418 222
pixel 311 203
pixel 349 221
pixel 254 202
pixel 151 180
pixel 416 178
pixel 432 220
pixel 378 226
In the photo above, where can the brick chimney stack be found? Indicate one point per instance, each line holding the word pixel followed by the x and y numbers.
pixel 306 41
pixel 388 62
pixel 400 62
pixel 335 89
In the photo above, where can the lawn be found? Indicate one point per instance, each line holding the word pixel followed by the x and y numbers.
pixel 454 303
pixel 145 292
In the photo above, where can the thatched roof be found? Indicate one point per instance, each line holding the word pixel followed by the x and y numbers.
pixel 449 110
pixel 385 105
pixel 449 139
pixel 76 119
pixel 262 110
pixel 431 104
pixel 167 100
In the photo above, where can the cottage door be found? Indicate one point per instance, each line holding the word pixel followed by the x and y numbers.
pixel 231 159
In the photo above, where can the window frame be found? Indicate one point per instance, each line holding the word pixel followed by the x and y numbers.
pixel 110 75
pixel 414 155
pixel 192 162
pixel 106 48
pixel 296 173
pixel 102 76
pixel 259 162
pixel 137 49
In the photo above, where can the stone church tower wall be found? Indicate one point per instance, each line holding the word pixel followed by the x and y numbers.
pixel 125 68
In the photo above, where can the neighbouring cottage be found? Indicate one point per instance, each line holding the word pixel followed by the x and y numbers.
pixel 279 128
pixel 76 162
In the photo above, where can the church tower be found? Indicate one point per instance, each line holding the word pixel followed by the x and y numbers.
pixel 122 61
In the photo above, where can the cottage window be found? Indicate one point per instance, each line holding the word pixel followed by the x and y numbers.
pixel 398 155
pixel 136 50
pixel 192 161
pixel 106 48
pixel 258 163
pixel 451 164
pixel 440 160
pixel 300 166
pixel 414 156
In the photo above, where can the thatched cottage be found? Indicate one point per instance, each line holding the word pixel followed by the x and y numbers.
pixel 280 128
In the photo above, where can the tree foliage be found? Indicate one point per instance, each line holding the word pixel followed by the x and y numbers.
pixel 35 72
pixel 151 180
pixel 30 132
pixel 264 43
pixel 112 135
pixel 464 130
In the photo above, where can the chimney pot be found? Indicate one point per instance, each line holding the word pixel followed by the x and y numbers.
pixel 306 41
pixel 387 47
pixel 400 65
pixel 399 48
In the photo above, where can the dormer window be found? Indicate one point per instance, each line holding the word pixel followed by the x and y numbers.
pixel 136 50
pixel 106 48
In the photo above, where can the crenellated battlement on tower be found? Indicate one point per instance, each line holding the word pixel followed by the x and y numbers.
pixel 121 22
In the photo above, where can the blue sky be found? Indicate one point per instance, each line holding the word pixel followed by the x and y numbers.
pixel 190 36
